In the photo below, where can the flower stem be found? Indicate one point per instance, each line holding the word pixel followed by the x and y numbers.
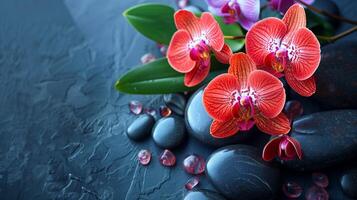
pixel 338 36
pixel 323 12
pixel 240 37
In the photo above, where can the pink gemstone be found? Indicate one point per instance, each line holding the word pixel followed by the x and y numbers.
pixel 316 193
pixel 163 49
pixel 147 58
pixel 165 111
pixel 292 190
pixel 194 164
pixel 150 111
pixel 167 158
pixel 293 109
pixel 144 157
pixel 191 183
pixel 136 107
pixel 320 179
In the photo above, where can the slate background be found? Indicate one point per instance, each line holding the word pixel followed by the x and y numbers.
pixel 61 121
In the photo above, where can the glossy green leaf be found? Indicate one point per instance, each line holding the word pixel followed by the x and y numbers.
pixel 231 30
pixel 155 21
pixel 158 77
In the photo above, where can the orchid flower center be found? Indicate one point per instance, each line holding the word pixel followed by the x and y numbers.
pixel 199 50
pixel 243 102
pixel 278 59
pixel 231 11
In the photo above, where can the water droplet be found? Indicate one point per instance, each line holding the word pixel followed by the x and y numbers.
pixel 147 58
pixel 165 111
pixel 192 182
pixel 292 189
pixel 136 107
pixel 320 179
pixel 316 193
pixel 144 157
pixel 181 3
pixel 293 109
pixel 167 158
pixel 194 164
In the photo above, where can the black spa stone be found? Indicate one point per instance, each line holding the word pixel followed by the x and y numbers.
pixel 238 172
pixel 198 123
pixel 169 132
pixel 326 138
pixel 336 76
pixel 349 183
pixel 140 127
pixel 176 102
pixel 203 195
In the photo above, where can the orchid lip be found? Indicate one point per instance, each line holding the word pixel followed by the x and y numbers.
pixel 244 99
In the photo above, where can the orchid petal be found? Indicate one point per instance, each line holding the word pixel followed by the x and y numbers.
pixel 304 53
pixel 241 65
pixel 217 97
pixel 186 20
pixel 212 31
pixel 224 55
pixel 178 52
pixel 304 88
pixel 295 18
pixel 198 74
pixel 296 145
pixel 273 126
pixel 263 38
pixel 224 129
pixel 271 149
pixel 270 93
pixel 250 9
pixel 284 5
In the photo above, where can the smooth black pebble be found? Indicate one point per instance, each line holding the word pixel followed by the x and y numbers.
pixel 203 195
pixel 169 132
pixel 176 102
pixel 349 183
pixel 326 138
pixel 336 76
pixel 198 124
pixel 238 172
pixel 140 127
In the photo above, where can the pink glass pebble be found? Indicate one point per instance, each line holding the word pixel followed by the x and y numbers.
pixel 167 158
pixel 316 193
pixel 165 111
pixel 163 49
pixel 292 190
pixel 150 111
pixel 135 107
pixel 194 164
pixel 191 183
pixel 147 58
pixel 293 109
pixel 320 179
pixel 144 157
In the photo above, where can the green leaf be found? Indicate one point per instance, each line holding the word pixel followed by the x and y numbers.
pixel 158 77
pixel 155 21
pixel 231 30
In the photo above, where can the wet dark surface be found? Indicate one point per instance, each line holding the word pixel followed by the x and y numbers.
pixel 62 124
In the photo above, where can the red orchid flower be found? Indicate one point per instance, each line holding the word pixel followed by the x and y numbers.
pixel 284 147
pixel 190 46
pixel 243 97
pixel 286 47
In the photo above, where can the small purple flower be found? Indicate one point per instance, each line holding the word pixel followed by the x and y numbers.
pixel 246 12
pixel 283 5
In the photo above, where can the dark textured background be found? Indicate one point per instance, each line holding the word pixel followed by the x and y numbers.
pixel 59 112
